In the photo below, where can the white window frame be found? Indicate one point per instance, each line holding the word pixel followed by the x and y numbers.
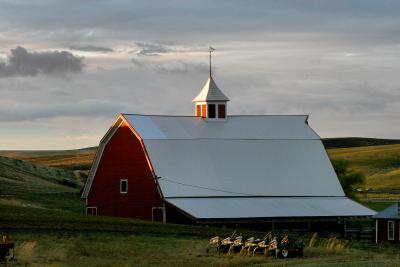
pixel 120 186
pixel 91 207
pixel 388 229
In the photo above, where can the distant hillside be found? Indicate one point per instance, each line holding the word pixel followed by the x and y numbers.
pixel 29 185
pixel 345 142
pixel 78 159
pixel 380 164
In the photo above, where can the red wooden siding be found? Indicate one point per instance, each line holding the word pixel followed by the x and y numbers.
pixel 383 231
pixel 124 158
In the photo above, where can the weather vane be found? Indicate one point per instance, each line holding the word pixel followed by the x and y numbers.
pixel 210 50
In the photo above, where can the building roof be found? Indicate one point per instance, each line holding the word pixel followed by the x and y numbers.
pixel 210 92
pixel 269 207
pixel 246 166
pixel 212 167
pixel 244 156
pixel 391 212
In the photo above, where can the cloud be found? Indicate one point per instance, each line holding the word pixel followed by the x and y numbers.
pixel 24 63
pixel 171 66
pixel 91 48
pixel 86 108
pixel 179 66
pixel 152 49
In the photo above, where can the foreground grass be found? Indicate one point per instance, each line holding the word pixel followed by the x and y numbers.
pixel 116 249
pixel 46 237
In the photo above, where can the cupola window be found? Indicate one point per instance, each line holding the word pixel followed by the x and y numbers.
pixel 221 111
pixel 204 110
pixel 198 110
pixel 211 111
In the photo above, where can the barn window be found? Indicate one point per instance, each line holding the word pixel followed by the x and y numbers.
pixel 211 111
pixel 198 110
pixel 203 111
pixel 91 211
pixel 221 111
pixel 123 186
pixel 390 230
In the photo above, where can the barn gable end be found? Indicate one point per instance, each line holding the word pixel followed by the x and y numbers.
pixel 122 156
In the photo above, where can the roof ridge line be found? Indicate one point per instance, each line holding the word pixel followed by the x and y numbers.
pixel 246 115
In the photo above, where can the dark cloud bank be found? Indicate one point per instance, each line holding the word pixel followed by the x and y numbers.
pixel 25 63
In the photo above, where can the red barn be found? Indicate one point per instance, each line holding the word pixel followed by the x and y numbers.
pixel 215 168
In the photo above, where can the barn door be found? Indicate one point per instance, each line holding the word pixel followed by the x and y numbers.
pixel 157 214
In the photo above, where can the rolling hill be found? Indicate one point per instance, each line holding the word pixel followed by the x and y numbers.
pixel 346 142
pixel 380 164
pixel 78 159
pixel 24 184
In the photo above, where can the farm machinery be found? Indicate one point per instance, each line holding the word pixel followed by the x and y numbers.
pixel 273 244
pixel 6 249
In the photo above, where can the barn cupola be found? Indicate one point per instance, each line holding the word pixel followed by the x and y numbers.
pixel 211 103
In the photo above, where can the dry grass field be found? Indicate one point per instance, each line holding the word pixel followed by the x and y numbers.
pixel 79 159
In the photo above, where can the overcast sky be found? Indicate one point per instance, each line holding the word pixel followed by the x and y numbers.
pixel 67 68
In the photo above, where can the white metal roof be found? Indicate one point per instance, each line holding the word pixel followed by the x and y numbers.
pixel 269 207
pixel 244 156
pixel 234 127
pixel 210 92
pixel 217 167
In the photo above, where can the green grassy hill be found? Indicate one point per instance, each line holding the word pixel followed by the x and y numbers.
pixel 345 142
pixel 24 184
pixel 380 164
